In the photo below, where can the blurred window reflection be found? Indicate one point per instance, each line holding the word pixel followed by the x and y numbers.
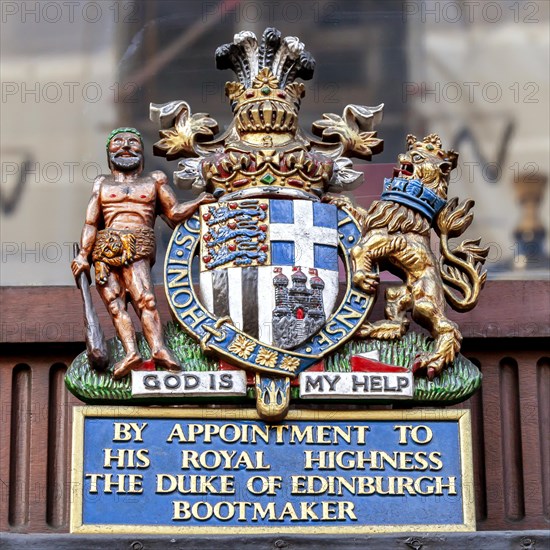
pixel 476 73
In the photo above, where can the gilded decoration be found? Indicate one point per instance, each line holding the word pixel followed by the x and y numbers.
pixel 288 265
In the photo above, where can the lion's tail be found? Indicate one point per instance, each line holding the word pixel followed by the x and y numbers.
pixel 461 267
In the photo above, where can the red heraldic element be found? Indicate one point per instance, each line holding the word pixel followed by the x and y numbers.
pixel 361 363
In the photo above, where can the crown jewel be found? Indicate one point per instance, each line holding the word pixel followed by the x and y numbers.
pixel 263 151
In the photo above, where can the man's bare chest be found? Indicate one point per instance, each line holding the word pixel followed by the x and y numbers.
pixel 139 192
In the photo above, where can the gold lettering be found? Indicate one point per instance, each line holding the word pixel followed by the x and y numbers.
pixel 329 511
pixel 402 433
pixel 124 483
pixel 451 486
pixel 181 510
pixel 434 458
pixel 123 431
pixel 322 338
pixel 350 464
pixel 405 483
pixel 257 431
pixel 196 510
pixel 323 435
pixel 346 508
pixel 160 483
pixel 344 434
pixel 260 485
pixel 288 510
pixel 351 314
pixel 306 511
pixel 181 278
pixel 357 298
pixel 126 458
pixel 279 430
pixel 189 459
pixel 187 293
pixel 135 483
pixel 259 458
pixel 243 460
pixel 405 460
pixel 242 510
pixel 186 240
pixel 366 486
pixel 297 485
pixel 192 313
pixel 93 482
pixel 143 456
pixel 421 459
pixel 427 490
pixel 349 485
pixel 177 431
pixel 263 512
pixel 297 434
pixel 362 434
pixel 334 329
pixel 217 508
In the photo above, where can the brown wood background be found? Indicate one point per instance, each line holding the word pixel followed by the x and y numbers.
pixel 41 331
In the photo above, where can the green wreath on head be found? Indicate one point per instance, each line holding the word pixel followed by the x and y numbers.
pixel 121 131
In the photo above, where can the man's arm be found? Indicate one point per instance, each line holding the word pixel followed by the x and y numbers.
pixel 89 232
pixel 175 211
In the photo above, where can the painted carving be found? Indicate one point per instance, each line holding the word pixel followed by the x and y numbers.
pixel 118 237
pixel 278 273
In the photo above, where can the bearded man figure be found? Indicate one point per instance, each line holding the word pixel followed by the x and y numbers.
pixel 119 238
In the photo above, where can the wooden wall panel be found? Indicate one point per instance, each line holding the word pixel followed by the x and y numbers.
pixel 543 421
pixel 510 416
pixel 510 437
pixel 35 438
pixel 506 309
pixel 20 447
pixel 57 495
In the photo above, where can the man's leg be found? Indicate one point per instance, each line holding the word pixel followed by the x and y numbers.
pixel 112 295
pixel 137 278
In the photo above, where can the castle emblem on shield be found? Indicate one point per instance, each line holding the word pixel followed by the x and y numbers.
pixel 299 310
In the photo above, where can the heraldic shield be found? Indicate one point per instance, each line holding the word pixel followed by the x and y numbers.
pixel 271 265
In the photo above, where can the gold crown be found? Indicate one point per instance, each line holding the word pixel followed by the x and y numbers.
pixel 265 107
pixel 432 145
pixel 259 172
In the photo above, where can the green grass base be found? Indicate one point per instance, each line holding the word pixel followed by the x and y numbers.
pixel 457 383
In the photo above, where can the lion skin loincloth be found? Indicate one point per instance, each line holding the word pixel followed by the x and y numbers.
pixel 119 247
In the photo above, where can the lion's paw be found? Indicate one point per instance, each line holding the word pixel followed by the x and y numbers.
pixel 428 365
pixel 384 331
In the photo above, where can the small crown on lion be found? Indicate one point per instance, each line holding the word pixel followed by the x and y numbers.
pixel 432 144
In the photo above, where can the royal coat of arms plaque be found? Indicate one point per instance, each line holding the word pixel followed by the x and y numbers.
pixel 272 272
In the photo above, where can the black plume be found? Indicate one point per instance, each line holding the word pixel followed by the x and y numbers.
pixel 303 68
pixel 232 56
pixel 288 55
pixel 271 41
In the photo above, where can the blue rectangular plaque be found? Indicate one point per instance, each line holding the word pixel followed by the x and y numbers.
pixel 138 470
